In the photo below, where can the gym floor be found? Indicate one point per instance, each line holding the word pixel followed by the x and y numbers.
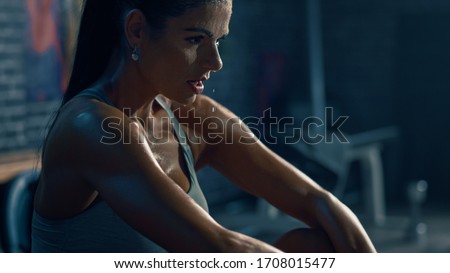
pixel 393 236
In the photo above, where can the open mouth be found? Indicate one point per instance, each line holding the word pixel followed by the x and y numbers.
pixel 197 86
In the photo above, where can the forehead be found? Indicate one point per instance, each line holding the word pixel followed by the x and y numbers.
pixel 213 17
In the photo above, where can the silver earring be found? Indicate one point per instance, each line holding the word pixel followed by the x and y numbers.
pixel 135 55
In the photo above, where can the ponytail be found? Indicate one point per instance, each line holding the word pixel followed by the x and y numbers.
pixel 98 37
pixel 100 34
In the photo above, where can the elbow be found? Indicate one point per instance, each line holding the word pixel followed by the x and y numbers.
pixel 318 206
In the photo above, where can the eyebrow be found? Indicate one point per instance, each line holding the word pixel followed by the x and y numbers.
pixel 204 31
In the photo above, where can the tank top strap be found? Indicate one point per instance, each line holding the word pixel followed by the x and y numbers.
pixel 195 190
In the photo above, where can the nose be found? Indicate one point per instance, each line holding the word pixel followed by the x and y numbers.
pixel 211 59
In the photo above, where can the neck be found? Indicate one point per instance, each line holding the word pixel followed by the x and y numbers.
pixel 126 88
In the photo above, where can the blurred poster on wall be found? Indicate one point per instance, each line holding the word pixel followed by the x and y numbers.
pixel 51 33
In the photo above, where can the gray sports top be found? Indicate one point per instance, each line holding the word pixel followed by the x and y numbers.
pixel 99 228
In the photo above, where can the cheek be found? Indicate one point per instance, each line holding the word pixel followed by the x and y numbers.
pixel 181 62
pixel 169 64
pixel 190 56
pixel 183 59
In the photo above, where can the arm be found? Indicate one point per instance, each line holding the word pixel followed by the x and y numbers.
pixel 256 169
pixel 126 175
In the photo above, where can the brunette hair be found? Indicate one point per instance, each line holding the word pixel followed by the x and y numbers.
pixel 101 33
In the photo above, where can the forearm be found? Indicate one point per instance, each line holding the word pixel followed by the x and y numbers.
pixel 342 226
pixel 231 241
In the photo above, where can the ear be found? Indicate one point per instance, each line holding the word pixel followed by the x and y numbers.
pixel 135 24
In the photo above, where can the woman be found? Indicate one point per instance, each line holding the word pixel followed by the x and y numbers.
pixel 118 165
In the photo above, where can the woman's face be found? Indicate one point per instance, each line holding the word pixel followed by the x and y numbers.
pixel 177 64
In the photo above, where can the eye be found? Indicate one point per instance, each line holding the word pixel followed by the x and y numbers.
pixel 194 40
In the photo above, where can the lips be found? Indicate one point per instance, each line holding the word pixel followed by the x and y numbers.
pixel 197 86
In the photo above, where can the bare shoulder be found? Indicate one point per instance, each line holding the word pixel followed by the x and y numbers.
pixel 210 116
pixel 84 117
pixel 220 119
pixel 212 107
pixel 203 107
pixel 86 130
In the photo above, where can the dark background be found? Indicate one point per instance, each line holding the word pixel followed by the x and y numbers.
pixel 386 63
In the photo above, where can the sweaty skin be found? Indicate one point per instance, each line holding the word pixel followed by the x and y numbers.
pixel 142 178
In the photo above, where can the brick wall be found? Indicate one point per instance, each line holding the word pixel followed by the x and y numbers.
pixel 22 123
pixel 12 80
pixel 24 116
